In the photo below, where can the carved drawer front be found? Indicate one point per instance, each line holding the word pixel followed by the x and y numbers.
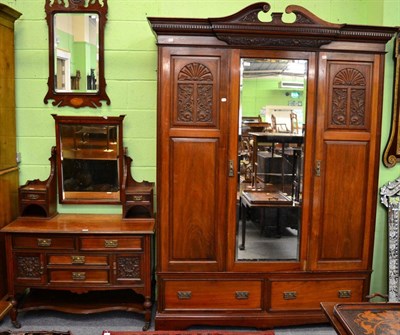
pixel 78 259
pixel 305 295
pixel 213 295
pixel 43 242
pixel 79 276
pixel 112 243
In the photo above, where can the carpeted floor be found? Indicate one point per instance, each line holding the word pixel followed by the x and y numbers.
pixel 95 324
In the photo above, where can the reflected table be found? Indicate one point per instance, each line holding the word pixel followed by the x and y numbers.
pixel 267 196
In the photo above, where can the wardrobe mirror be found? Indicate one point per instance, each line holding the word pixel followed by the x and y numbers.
pixel 76 53
pixel 271 136
pixel 89 159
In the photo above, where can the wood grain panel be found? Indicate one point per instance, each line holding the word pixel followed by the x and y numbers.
pixel 342 234
pixel 194 173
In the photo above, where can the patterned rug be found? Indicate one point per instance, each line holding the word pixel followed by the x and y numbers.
pixel 24 332
pixel 191 332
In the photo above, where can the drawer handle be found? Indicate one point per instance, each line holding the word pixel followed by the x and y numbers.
pixel 344 293
pixel 32 196
pixel 111 243
pixel 184 295
pixel 242 295
pixel 291 295
pixel 44 242
pixel 78 275
pixel 78 259
pixel 138 197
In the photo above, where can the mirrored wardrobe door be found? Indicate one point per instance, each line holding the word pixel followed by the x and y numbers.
pixel 271 137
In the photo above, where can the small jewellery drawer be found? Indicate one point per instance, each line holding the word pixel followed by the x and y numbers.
pixel 213 294
pixel 79 276
pixel 305 294
pixel 33 196
pixel 43 242
pixel 100 260
pixel 112 243
pixel 138 197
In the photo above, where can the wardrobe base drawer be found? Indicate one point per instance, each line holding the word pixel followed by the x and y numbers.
pixel 307 294
pixel 213 294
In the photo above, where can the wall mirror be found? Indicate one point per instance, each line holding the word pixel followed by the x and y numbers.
pixel 89 159
pixel 271 136
pixel 391 155
pixel 76 52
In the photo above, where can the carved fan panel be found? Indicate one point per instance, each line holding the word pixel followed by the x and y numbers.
pixel 348 98
pixel 196 94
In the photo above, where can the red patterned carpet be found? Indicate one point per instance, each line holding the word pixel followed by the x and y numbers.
pixel 192 332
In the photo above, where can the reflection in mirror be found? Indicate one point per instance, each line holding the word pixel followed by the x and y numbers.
pixel 271 152
pixel 89 157
pixel 76 43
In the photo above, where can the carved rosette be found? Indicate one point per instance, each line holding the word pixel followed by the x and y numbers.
pixel 348 99
pixel 195 95
pixel 128 267
pixel 29 267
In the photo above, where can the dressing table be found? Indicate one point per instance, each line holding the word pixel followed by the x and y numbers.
pixel 83 263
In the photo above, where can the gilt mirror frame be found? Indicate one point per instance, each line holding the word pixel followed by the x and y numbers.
pixel 76 99
pixel 391 155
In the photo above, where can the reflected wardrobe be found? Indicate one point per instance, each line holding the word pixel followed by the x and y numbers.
pixel 268 154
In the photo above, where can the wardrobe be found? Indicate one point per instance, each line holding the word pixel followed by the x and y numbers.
pixel 202 275
pixel 8 163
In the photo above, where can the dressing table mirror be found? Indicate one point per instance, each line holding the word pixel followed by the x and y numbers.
pixel 76 53
pixel 89 159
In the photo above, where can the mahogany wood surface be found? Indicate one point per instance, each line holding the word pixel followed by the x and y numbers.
pixel 80 263
pixel 9 176
pixel 198 117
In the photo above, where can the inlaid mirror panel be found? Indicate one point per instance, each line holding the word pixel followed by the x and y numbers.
pixel 272 114
pixel 89 159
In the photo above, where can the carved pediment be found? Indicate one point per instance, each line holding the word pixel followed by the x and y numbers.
pixel 245 29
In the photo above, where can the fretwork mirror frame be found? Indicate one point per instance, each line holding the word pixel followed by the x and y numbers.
pixel 76 98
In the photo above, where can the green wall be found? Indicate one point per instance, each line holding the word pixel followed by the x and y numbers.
pixel 130 71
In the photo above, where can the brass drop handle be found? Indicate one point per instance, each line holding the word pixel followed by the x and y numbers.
pixel 184 295
pixel 290 295
pixel 242 295
pixel 78 259
pixel 344 294
pixel 78 275
pixel 44 242
pixel 110 243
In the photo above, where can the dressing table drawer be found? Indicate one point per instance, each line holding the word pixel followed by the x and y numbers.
pixel 27 195
pixel 133 243
pixel 95 260
pixel 79 276
pixel 43 242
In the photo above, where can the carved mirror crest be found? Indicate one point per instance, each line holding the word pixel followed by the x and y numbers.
pixel 76 52
pixel 391 156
